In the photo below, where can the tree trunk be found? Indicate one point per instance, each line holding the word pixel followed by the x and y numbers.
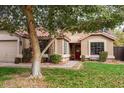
pixel 36 60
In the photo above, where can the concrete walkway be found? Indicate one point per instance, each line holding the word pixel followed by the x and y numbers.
pixel 68 65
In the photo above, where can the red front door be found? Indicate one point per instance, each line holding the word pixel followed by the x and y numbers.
pixel 77 52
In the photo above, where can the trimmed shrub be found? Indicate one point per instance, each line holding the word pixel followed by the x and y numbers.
pixel 18 60
pixel 27 54
pixel 55 58
pixel 83 58
pixel 103 56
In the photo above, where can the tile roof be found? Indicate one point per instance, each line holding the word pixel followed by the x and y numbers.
pixel 39 31
pixel 72 38
pixel 77 37
pixel 108 35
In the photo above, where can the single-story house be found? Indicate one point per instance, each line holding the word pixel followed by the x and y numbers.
pixel 69 46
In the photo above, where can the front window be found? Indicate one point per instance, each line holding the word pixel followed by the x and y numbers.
pixel 96 47
pixel 65 47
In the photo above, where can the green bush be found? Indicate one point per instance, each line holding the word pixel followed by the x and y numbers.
pixel 103 56
pixel 27 55
pixel 18 60
pixel 55 58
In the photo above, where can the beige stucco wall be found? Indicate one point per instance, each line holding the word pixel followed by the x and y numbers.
pixel 26 43
pixel 108 43
pixel 59 46
pixel 59 49
pixel 4 35
pixel 10 46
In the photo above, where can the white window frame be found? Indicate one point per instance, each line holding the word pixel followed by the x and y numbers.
pixel 65 42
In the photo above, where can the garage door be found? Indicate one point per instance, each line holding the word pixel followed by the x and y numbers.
pixel 8 51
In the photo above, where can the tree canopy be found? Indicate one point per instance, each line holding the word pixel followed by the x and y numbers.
pixel 119 37
pixel 67 18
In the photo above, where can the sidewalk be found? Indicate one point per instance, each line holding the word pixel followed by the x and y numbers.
pixel 68 65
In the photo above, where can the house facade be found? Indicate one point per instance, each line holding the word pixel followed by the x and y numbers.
pixel 10 47
pixel 89 45
pixel 69 46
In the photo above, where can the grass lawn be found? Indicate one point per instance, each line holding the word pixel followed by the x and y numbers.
pixel 5 73
pixel 91 75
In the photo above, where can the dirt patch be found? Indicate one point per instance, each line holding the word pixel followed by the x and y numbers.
pixel 23 81
pixel 77 66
